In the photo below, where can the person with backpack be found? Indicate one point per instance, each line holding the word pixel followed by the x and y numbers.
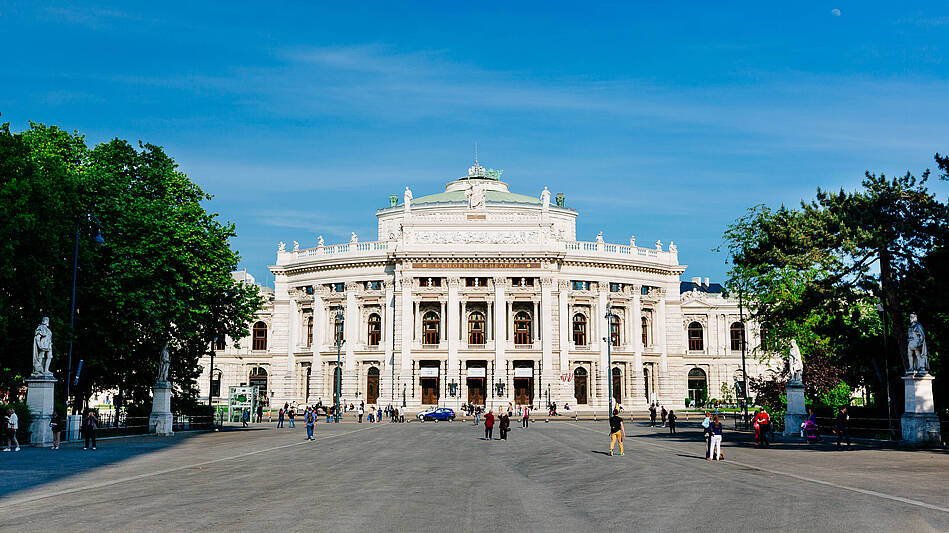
pixel 245 417
pixel 617 432
pixel 291 414
pixel 505 425
pixel 310 420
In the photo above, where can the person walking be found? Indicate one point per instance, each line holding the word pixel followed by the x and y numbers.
pixel 707 433
pixel 488 425
pixel 505 425
pixel 672 422
pixel 280 418
pixel 10 427
pixel 56 426
pixel 291 415
pixel 361 412
pixel 245 417
pixel 310 420
pixel 840 428
pixel 89 429
pixel 716 429
pixel 525 421
pixel 664 413
pixel 260 412
pixel 477 415
pixel 652 415
pixel 762 425
pixel 617 432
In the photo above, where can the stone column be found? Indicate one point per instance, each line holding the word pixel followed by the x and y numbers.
pixel 602 331
pixel 919 422
pixel 451 334
pixel 316 343
pixel 636 317
pixel 664 379
pixel 289 391
pixel 161 420
pixel 39 399
pixel 407 325
pixel 563 286
pixel 546 337
pixel 351 325
pixel 500 340
pixel 388 336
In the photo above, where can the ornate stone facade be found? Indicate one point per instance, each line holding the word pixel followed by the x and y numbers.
pixel 480 295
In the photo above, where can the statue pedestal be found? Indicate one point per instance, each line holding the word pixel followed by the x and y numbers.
pixel 796 412
pixel 39 398
pixel 919 422
pixel 161 420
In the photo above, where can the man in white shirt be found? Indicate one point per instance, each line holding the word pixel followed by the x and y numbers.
pixel 12 425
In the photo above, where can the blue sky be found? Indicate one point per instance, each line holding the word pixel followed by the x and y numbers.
pixel 661 120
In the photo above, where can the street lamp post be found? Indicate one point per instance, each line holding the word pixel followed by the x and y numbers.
pixel 609 357
pixel 339 348
pixel 72 305
pixel 886 363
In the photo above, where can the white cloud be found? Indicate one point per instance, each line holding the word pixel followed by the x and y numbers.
pixel 835 12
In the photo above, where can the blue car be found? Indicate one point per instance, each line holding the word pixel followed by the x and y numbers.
pixel 442 413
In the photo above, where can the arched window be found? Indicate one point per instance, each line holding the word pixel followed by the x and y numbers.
pixel 698 385
pixel 579 329
pixel 339 329
pixel 476 327
pixel 696 337
pixel 522 328
pixel 260 336
pixel 375 329
pixel 737 334
pixel 220 344
pixel 580 385
pixel 615 330
pixel 258 378
pixel 645 332
pixel 309 332
pixel 430 325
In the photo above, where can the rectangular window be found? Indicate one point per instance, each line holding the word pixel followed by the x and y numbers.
pixel 522 282
pixel 337 287
pixel 430 282
pixel 476 282
pixel 645 290
pixel 373 285
pixel 581 285
pixel 616 287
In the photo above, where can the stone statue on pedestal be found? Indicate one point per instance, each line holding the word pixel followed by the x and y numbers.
pixel 795 362
pixel 917 355
pixel 407 199
pixel 42 349
pixel 164 364
pixel 545 199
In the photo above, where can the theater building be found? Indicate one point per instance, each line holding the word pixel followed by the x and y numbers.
pixel 477 294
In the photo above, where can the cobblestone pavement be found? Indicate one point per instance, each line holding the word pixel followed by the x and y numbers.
pixel 434 477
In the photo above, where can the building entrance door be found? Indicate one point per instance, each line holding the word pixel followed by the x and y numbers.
pixel 372 386
pixel 429 391
pixel 476 391
pixel 524 391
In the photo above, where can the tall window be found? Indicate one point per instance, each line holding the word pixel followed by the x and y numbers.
pixel 216 383
pixel 698 385
pixel 696 339
pixel 616 287
pixel 309 332
pixel 737 332
pixel 430 324
pixel 522 328
pixel 258 378
pixel 476 328
pixel 219 344
pixel 581 285
pixel 615 330
pixel 579 329
pixel 375 329
pixel 645 332
pixel 260 336
pixel 339 329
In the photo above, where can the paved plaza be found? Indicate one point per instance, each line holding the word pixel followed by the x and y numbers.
pixel 437 477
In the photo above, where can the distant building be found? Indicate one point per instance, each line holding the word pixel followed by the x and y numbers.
pixel 480 295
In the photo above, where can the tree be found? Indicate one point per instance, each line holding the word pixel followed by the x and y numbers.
pixel 163 274
pixel 817 272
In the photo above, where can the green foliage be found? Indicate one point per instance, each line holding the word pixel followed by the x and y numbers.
pixel 816 274
pixel 162 274
pixel 838 396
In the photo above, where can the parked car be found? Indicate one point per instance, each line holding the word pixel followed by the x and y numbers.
pixel 421 414
pixel 441 413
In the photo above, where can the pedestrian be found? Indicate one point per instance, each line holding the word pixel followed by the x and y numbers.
pixel 762 424
pixel 707 433
pixel 56 426
pixel 617 431
pixel 652 415
pixel 361 411
pixel 505 425
pixel 716 429
pixel 260 412
pixel 477 415
pixel 488 424
pixel 525 421
pixel 664 413
pixel 245 417
pixel 310 420
pixel 291 415
pixel 840 427
pixel 11 426
pixel 280 419
pixel 672 422
pixel 89 425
